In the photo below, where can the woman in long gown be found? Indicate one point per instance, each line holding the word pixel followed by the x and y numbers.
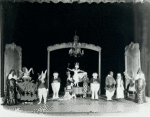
pixel 76 75
pixel 140 87
pixel 120 87
pixel 10 94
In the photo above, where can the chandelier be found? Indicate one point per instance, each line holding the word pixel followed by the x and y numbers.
pixel 76 48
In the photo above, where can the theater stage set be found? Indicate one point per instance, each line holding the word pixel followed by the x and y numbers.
pixel 114 35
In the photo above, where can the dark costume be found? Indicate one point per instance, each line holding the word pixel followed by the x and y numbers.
pixel 85 86
pixel 140 91
pixel 10 94
pixel 110 86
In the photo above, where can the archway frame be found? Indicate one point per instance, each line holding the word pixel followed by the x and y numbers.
pixel 69 45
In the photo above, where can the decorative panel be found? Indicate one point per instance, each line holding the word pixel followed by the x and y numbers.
pixel 132 60
pixel 12 59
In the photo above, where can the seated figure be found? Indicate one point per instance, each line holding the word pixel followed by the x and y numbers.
pixel 69 92
pixel 27 90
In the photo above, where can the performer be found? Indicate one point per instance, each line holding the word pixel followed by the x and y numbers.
pixel 55 85
pixel 69 93
pixel 110 86
pixel 85 85
pixel 140 87
pixel 76 75
pixel 120 87
pixel 95 85
pixel 42 87
pixel 10 94
pixel 26 73
pixel 131 82
pixel 70 80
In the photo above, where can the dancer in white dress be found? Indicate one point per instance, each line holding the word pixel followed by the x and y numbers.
pixel 76 74
pixel 120 87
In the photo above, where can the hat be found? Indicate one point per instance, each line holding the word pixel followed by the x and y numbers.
pixel 95 74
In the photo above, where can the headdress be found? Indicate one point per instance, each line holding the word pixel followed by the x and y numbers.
pixel 95 74
pixel 76 63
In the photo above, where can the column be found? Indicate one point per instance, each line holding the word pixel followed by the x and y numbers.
pixel 48 69
pixel 99 72
pixel 2 53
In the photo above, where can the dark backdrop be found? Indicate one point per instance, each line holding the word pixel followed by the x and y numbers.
pixel 36 26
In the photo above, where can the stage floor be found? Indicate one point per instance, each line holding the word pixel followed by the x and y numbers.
pixel 81 107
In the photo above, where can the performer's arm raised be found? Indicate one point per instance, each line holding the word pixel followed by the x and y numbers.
pixel 80 70
pixel 70 69
pixel 30 70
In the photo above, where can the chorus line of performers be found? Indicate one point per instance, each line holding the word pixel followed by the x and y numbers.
pixel 111 85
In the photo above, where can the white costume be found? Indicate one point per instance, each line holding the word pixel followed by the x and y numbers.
pixel 55 85
pixel 95 86
pixel 42 87
pixel 120 88
pixel 76 76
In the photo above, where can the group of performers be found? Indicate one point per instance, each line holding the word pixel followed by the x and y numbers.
pixel 111 85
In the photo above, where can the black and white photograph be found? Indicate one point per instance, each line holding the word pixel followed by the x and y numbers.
pixel 75 58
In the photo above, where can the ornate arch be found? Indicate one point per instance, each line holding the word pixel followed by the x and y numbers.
pixel 69 45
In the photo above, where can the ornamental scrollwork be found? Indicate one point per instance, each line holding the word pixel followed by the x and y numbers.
pixel 132 47
pixel 69 45
pixel 13 46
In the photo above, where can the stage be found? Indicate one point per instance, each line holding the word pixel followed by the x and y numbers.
pixel 80 107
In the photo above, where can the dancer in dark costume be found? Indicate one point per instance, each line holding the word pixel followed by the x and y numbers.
pixel 10 94
pixel 140 87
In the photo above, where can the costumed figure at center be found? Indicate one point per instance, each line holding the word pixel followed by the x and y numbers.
pixel 69 92
pixel 42 87
pixel 55 83
pixel 95 85
pixel 140 87
pixel 77 76
pixel 85 85
pixel 110 86
pixel 120 87
pixel 10 94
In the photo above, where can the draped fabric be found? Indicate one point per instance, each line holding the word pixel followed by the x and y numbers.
pixel 10 94
pixel 27 91
pixel 140 91
pixel 141 36
pixel 79 1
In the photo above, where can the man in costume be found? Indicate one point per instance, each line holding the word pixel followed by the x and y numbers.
pixel 55 85
pixel 110 86
pixel 42 87
pixel 95 85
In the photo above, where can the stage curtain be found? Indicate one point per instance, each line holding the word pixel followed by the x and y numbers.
pixel 142 36
pixel 1 53
pixel 79 1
